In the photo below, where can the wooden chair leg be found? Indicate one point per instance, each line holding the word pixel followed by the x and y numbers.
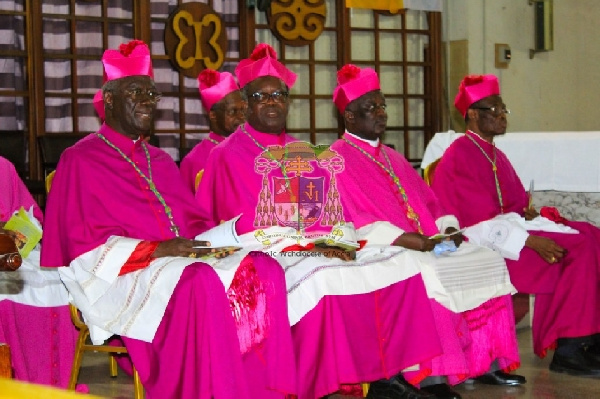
pixel 81 347
pixel 77 359
pixel 365 388
pixel 138 389
pixel 5 363
pixel 112 365
pixel 531 306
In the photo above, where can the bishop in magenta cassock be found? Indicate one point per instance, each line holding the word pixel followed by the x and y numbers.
pixel 222 100
pixel 120 227
pixel 379 184
pixel 344 339
pixel 477 182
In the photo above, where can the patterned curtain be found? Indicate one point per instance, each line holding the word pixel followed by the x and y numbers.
pixel 60 70
pixel 12 69
pixel 171 109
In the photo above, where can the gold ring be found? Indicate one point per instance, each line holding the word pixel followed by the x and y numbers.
pixel 192 255
pixel 552 259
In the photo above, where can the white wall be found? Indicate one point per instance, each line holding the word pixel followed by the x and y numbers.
pixel 556 90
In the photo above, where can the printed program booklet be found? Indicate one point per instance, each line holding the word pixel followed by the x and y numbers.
pixel 223 238
pixel 26 233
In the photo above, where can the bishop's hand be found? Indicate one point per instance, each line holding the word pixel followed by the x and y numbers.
pixel 416 241
pixel 182 247
pixel 549 250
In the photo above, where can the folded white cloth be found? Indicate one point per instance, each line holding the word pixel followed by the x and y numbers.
pixel 32 285
pixel 464 279
pixel 507 233
pixel 460 281
pixel 133 304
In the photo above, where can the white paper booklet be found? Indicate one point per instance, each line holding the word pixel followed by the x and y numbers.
pixel 223 235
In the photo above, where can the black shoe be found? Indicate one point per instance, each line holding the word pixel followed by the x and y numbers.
pixel 396 388
pixel 501 378
pixel 441 391
pixel 580 364
pixel 592 352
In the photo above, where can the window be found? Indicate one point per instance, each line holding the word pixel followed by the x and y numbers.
pixel 50 68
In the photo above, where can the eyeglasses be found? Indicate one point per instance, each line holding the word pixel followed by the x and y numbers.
pixel 138 94
pixel 277 96
pixel 231 112
pixel 496 111
pixel 371 108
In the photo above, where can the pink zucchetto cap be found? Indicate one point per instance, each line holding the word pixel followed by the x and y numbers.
pixel 473 88
pixel 131 59
pixel 263 62
pixel 214 86
pixel 99 104
pixel 353 82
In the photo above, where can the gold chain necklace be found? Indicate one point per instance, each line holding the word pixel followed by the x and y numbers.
pixel 148 179
pixel 280 164
pixel 494 169
pixel 410 212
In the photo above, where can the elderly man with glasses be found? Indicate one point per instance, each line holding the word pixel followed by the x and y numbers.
pixel 265 83
pixel 558 262
pixel 354 335
pixel 124 226
pixel 379 184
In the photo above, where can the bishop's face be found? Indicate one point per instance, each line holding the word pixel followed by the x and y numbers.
pixel 366 116
pixel 133 106
pixel 228 114
pixel 268 104
pixel 490 116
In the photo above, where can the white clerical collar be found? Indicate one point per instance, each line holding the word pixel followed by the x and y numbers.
pixel 479 138
pixel 372 143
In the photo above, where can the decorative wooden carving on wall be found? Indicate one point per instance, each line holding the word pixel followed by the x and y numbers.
pixel 297 22
pixel 195 39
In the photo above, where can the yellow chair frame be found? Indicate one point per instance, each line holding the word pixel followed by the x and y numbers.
pixel 83 346
pixel 82 339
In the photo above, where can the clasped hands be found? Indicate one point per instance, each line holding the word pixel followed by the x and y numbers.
pixel 186 248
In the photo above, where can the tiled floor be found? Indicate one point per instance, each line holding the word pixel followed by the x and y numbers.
pixel 541 383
